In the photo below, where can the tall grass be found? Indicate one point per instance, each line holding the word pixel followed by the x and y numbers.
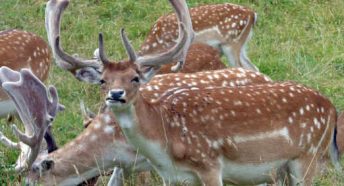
pixel 298 40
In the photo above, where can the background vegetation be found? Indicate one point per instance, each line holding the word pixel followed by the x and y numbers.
pixel 298 40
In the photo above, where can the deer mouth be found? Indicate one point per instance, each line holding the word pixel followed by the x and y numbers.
pixel 115 101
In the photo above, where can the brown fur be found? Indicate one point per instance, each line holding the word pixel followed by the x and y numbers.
pixel 198 121
pixel 203 17
pixel 21 49
pixel 200 57
pixel 340 133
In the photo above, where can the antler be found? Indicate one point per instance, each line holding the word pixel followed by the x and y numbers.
pixel 87 114
pixel 36 110
pixel 73 64
pixel 178 52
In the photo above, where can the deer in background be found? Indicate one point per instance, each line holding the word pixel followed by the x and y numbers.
pixel 230 32
pixel 243 135
pixel 227 27
pixel 21 49
pixel 340 132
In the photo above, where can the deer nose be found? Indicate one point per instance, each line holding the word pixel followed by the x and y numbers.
pixel 117 94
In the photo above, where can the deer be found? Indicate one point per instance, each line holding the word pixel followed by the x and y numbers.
pixel 340 133
pixel 227 27
pixel 201 57
pixel 251 134
pixel 55 168
pixel 36 108
pixel 114 150
pixel 221 32
pixel 21 49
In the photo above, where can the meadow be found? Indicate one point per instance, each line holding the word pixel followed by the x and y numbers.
pixel 297 40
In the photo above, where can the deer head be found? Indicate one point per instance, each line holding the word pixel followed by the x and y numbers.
pixel 36 112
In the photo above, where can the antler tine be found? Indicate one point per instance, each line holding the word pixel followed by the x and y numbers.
pixel 53 14
pixel 87 114
pixel 178 52
pixel 36 111
pixel 102 54
pixel 7 74
pixel 128 47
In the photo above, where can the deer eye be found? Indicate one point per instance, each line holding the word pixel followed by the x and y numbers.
pixel 135 79
pixel 102 81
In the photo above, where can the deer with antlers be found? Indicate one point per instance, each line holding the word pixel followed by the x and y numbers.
pixel 102 142
pixel 225 26
pixel 98 148
pixel 209 133
pixel 36 110
pixel 21 49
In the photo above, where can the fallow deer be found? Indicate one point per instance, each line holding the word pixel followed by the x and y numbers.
pixel 243 135
pixel 227 27
pixel 340 133
pixel 36 110
pixel 230 39
pixel 21 49
pixel 113 146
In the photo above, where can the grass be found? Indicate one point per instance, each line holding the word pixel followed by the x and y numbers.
pixel 299 40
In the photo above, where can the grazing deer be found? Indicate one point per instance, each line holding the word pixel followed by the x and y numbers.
pixel 21 49
pixel 243 135
pixel 87 70
pixel 36 110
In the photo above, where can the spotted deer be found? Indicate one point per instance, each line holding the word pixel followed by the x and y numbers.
pixel 21 49
pixel 36 110
pixel 340 133
pixel 206 133
pixel 200 57
pixel 97 149
pixel 227 27
pixel 111 144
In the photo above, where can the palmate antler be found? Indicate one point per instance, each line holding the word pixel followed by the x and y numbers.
pixel 37 107
pixel 77 66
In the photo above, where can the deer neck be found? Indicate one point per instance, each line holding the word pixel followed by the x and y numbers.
pixel 142 118
pixel 142 125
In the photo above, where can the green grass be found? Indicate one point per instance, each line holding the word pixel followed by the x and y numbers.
pixel 299 40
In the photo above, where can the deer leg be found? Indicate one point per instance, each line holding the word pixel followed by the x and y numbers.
pixel 49 138
pixel 232 59
pixel 302 171
pixel 245 61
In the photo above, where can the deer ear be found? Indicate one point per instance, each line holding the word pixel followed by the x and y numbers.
pixel 148 72
pixel 88 75
pixel 47 165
